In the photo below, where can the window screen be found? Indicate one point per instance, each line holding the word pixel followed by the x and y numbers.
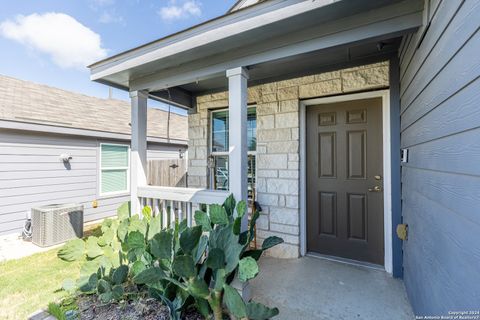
pixel 114 168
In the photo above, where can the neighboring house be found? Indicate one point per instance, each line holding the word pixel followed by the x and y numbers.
pixel 361 116
pixel 38 124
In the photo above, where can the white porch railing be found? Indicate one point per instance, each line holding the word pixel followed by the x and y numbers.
pixel 177 203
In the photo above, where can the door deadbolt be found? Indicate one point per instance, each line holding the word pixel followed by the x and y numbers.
pixel 378 177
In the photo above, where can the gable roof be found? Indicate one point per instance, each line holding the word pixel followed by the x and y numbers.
pixel 198 28
pixel 264 37
pixel 28 102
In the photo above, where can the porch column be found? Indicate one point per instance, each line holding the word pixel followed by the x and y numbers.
pixel 237 163
pixel 237 112
pixel 138 155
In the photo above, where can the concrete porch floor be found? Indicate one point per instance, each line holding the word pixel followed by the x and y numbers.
pixel 315 288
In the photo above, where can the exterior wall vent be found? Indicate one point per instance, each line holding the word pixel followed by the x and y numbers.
pixel 56 223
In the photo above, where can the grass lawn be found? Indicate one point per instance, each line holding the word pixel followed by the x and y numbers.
pixel 30 283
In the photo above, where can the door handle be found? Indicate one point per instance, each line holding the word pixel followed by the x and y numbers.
pixel 375 189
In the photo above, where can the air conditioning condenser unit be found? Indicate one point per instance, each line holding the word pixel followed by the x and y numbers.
pixel 56 223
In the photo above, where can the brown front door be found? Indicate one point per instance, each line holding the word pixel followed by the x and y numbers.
pixel 345 180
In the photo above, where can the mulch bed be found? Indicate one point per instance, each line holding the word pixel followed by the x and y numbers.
pixel 89 308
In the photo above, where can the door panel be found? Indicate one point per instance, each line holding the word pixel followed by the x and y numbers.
pixel 327 154
pixel 356 155
pixel 328 213
pixel 344 154
pixel 357 213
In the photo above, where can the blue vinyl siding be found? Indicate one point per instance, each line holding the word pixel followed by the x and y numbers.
pixel 440 125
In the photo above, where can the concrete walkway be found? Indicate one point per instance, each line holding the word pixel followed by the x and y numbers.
pixel 12 246
pixel 314 288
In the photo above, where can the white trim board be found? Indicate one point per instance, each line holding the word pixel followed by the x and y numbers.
pixel 387 196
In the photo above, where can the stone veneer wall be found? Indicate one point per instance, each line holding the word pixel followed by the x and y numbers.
pixel 278 164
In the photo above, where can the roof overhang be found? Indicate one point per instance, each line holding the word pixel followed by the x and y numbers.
pixel 266 37
pixel 68 131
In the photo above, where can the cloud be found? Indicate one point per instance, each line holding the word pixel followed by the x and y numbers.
pixel 108 17
pixel 174 11
pixel 106 10
pixel 69 43
pixel 102 3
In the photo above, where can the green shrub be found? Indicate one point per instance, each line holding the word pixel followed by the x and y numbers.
pixel 56 310
pixel 181 266
pixel 60 310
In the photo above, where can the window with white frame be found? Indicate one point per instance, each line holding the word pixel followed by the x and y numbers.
pixel 220 144
pixel 114 168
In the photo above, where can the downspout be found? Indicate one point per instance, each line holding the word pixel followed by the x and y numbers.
pixel 168 124
pixel 168 118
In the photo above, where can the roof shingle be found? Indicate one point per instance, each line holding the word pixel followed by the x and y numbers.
pixel 30 102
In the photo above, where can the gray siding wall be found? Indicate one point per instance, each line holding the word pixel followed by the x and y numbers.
pixel 164 152
pixel 32 175
pixel 440 125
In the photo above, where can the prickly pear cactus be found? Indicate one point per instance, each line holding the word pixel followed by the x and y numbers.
pixel 202 261
pixel 108 260
pixel 181 266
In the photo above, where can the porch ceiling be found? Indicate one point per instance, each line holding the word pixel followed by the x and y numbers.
pixel 274 40
pixel 302 65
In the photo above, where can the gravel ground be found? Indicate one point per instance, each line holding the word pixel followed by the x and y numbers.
pixel 148 309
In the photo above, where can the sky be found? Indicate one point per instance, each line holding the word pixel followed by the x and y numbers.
pixel 52 41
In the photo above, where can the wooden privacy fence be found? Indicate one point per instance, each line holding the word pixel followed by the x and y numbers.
pixel 167 173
